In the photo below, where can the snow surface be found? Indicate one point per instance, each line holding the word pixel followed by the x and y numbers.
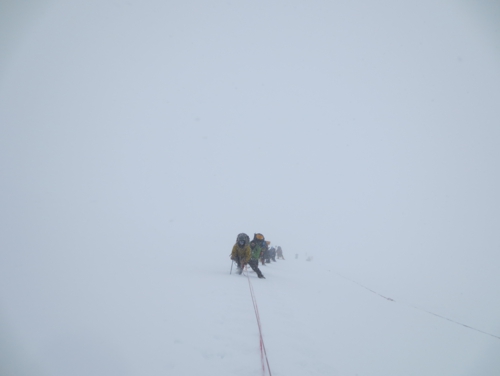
pixel 138 138
pixel 196 318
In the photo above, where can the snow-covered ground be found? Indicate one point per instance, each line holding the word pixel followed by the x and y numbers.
pixel 190 316
pixel 139 137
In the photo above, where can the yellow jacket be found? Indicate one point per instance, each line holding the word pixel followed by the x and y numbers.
pixel 242 252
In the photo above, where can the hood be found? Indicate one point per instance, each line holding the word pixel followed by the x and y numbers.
pixel 243 237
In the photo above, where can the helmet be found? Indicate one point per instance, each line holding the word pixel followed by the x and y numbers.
pixel 259 236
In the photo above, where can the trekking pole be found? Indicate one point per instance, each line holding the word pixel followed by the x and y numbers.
pixel 232 262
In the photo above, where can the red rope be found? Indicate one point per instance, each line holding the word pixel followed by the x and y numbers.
pixel 263 353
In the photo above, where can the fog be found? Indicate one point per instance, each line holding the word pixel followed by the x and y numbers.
pixel 139 138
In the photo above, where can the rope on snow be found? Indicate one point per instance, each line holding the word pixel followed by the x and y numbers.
pixel 263 354
pixel 415 307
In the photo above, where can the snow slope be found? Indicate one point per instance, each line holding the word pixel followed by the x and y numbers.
pixel 192 317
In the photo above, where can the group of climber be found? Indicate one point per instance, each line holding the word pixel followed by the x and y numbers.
pixel 250 252
pixel 271 254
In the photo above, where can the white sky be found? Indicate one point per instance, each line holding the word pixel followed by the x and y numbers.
pixel 365 134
